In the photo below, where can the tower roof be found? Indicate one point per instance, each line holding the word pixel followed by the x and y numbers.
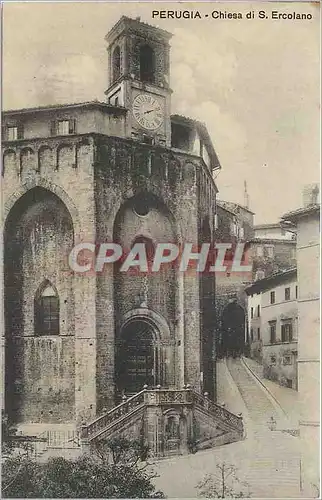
pixel 137 26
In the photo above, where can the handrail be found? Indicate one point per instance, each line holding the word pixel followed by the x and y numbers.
pixel 218 411
pixel 115 413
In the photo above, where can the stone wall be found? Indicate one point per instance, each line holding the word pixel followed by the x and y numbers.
pixel 48 206
pixel 89 180
pixel 169 182
pixel 280 364
pixel 284 256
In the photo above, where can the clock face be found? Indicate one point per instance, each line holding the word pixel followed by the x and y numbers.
pixel 147 111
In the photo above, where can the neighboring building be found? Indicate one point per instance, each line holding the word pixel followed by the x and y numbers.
pixel 273 325
pixel 234 224
pixel 306 220
pixel 273 249
pixel 273 232
pixel 238 218
pixel 121 171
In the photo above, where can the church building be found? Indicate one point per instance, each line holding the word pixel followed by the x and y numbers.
pixel 77 346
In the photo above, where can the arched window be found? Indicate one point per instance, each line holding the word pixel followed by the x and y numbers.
pixel 47 312
pixel 116 63
pixel 147 64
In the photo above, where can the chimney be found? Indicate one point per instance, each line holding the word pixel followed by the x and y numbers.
pixel 310 195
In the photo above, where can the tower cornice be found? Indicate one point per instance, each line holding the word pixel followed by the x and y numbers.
pixel 137 27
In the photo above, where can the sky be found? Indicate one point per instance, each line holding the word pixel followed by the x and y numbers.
pixel 253 82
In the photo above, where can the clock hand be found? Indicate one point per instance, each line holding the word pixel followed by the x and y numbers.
pixel 149 111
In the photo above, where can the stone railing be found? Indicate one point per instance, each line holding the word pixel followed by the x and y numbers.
pixel 94 428
pixel 159 397
pixel 188 396
pixel 217 411
pixel 167 396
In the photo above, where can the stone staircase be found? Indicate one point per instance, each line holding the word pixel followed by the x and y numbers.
pixel 196 422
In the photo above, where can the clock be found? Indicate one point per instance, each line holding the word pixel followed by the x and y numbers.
pixel 147 111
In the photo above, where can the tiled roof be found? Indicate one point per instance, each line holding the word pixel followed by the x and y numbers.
pixel 98 104
pixel 232 206
pixel 301 212
pixel 267 282
pixel 267 226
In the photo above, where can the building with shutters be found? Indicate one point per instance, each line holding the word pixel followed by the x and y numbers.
pixel 273 326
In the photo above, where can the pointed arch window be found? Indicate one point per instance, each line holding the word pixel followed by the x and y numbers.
pixel 147 64
pixel 116 63
pixel 47 311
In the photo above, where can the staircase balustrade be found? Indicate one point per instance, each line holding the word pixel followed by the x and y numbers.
pixel 155 397
pixel 218 411
pixel 89 431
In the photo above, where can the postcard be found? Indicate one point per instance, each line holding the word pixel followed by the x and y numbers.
pixel 161 246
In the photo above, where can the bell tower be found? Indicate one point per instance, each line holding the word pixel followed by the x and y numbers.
pixel 138 78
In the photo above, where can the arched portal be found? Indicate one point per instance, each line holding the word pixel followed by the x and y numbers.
pixel 39 307
pixel 233 330
pixel 137 357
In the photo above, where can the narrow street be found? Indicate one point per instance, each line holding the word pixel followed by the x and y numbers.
pixel 259 406
pixel 269 461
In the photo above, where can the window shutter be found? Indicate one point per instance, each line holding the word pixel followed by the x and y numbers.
pixel 20 131
pixel 290 336
pixel 72 126
pixel 283 333
pixel 53 128
pixel 4 135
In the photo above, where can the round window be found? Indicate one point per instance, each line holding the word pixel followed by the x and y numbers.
pixel 141 207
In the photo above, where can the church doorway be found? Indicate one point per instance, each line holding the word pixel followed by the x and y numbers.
pixel 137 357
pixel 233 330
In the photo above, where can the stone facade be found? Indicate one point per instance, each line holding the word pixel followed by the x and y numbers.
pixel 274 231
pixel 81 173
